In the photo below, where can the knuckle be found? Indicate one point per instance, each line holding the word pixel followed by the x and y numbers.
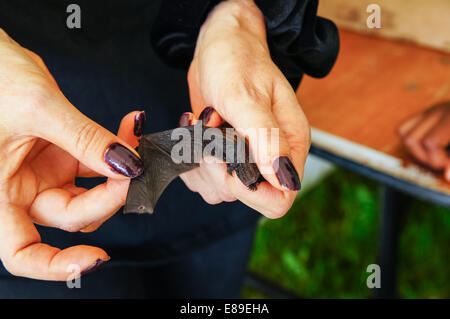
pixel 228 198
pixel 4 36
pixel 211 199
pixel 35 98
pixel 71 227
pixel 429 144
pixel 12 267
pixel 88 138
pixel 90 229
pixel 435 162
pixel 244 92
pixel 247 91
pixel 299 141
pixel 37 57
pixel 410 142
pixel 280 210
pixel 226 195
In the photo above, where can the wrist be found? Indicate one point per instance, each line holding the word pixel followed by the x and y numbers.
pixel 241 15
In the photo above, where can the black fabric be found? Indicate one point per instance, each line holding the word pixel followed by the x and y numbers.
pixel 176 27
pixel 299 41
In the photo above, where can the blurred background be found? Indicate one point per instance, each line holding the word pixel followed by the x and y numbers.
pixel 322 247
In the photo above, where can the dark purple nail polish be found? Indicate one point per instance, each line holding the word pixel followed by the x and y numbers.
pixel 123 161
pixel 139 123
pixel 185 119
pixel 96 265
pixel 206 114
pixel 286 173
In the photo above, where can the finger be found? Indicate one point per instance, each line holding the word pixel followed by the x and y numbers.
pixel 196 183
pixel 209 182
pixel 186 119
pixel 293 124
pixel 132 127
pixel 75 190
pixel 214 173
pixel 268 145
pixel 24 255
pixel 436 142
pixel 209 117
pixel 38 60
pixel 60 208
pixel 130 130
pixel 409 124
pixel 413 140
pixel 192 179
pixel 267 200
pixel 248 108
pixel 195 94
pixel 46 113
pixel 94 146
pixel 447 173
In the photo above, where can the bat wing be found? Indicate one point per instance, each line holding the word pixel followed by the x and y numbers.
pixel 160 168
pixel 159 171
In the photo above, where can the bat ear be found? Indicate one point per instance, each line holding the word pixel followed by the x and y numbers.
pixel 138 197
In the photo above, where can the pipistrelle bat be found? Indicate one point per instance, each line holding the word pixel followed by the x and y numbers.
pixel 159 150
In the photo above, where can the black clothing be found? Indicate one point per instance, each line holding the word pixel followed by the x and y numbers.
pixel 299 41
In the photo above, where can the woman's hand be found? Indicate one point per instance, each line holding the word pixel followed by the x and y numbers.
pixel 233 72
pixel 45 142
pixel 427 137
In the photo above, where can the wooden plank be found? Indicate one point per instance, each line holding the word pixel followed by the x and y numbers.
pixel 375 85
pixel 423 22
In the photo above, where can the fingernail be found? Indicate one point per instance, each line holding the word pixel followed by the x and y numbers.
pixel 206 114
pixel 123 161
pixel 96 265
pixel 286 173
pixel 139 123
pixel 185 119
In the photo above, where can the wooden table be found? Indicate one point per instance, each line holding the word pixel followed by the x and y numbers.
pixel 355 111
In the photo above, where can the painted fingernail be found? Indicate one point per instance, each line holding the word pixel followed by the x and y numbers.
pixel 96 265
pixel 139 123
pixel 286 173
pixel 123 161
pixel 185 119
pixel 206 114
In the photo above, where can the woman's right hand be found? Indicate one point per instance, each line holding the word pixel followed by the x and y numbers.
pixel 45 142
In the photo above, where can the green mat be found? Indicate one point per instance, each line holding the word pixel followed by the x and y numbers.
pixel 322 247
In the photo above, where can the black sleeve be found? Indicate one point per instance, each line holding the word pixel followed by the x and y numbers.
pixel 299 41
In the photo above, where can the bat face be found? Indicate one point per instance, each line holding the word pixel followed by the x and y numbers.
pixel 170 153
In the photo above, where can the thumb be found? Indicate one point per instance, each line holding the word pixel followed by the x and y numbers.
pixel 87 141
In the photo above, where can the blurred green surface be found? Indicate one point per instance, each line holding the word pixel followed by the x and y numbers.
pixel 322 247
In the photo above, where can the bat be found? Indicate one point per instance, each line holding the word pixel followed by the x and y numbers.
pixel 168 154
